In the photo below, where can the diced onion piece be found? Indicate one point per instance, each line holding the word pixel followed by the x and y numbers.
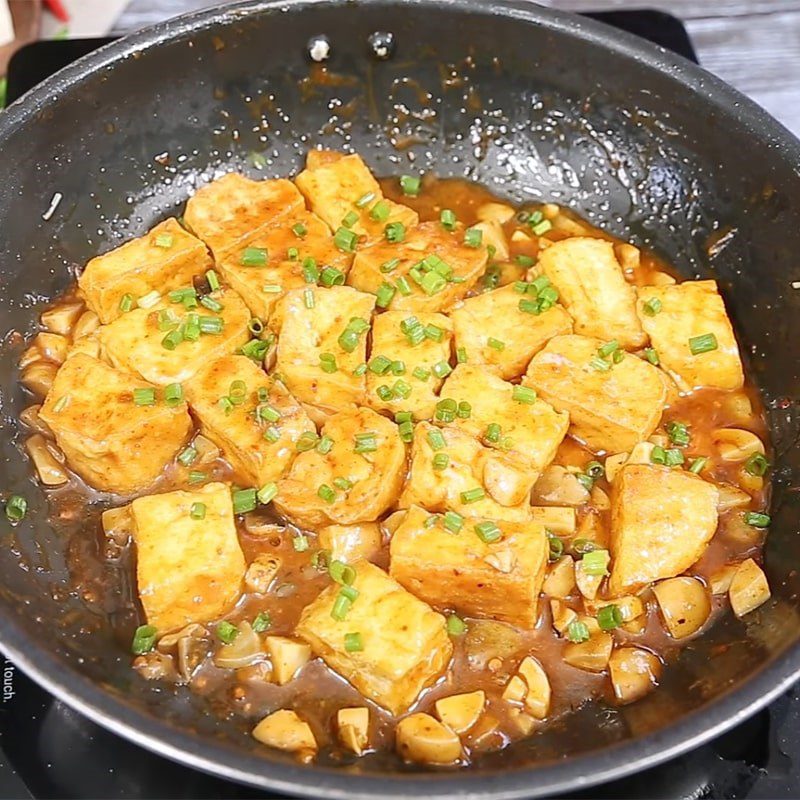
pixel 50 471
pixel 748 589
pixel 461 711
pixel 422 738
pixel 351 542
pixel 684 603
pixel 243 651
pixel 560 578
pixel 558 519
pixel 353 727
pixel 591 655
pixel 537 698
pixel 634 672
pixel 286 731
pixel 287 656
pixel 261 572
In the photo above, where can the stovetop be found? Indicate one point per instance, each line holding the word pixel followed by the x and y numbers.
pixel 49 751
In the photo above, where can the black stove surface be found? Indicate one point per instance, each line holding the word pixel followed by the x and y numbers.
pixel 49 751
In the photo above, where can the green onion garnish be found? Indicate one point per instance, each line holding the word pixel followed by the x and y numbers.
pixel 410 185
pixel 196 476
pixel 211 304
pixel 523 394
pixel 300 543
pixel 455 625
pixel 365 443
pixel 148 300
pixel 244 500
pixel 353 642
pixel 421 374
pixel 188 456
pixel 441 369
pixel 652 306
pixel 16 508
pixel 300 230
pixel 308 298
pixel 341 606
pixel 595 562
pixel 599 364
pixel 330 276
pixel 757 519
pixel 609 617
pixel 197 511
pixel 126 303
pixel 324 445
pixel 272 434
pixel 173 394
pixel 211 325
pixel 678 433
pixel 578 632
pixel 384 295
pixel 473 237
pixel 493 433
pixel 324 492
pixel 556 546
pixel 448 219
pixel 379 365
pixel 395 232
pixel 541 228
pixel 255 349
pixel 436 439
pixel 310 270
pixel 652 356
pixel 144 639
pixel 698 464
pixel 164 240
pixel 306 441
pixel 345 240
pixel 756 465
pixel 226 631
pixel 262 622
pixel 609 348
pixel 403 286
pixel 267 493
pixel 213 280
pixel 473 495
pixel 380 211
pixel 342 573
pixel 365 200
pixel 452 521
pixel 488 532
pixel 144 397
pixel 702 344
pixel 523 260
pixel 390 265
pixel 496 344
pixel 253 257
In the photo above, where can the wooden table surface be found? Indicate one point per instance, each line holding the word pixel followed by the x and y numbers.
pixel 752 44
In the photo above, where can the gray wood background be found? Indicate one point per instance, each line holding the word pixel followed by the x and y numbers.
pixel 752 44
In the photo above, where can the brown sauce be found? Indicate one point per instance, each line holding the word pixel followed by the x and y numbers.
pixel 103 570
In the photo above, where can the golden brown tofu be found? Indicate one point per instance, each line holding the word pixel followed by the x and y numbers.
pixel 461 484
pixel 259 448
pixel 500 579
pixel 187 569
pixel 336 185
pixel 524 434
pixel 496 316
pixel 355 479
pixel 688 315
pixel 612 407
pixel 315 366
pixel 415 392
pixel 405 642
pixel 661 521
pixel 262 286
pixel 138 341
pixel 232 207
pixel 114 444
pixel 592 286
pixel 165 258
pixel 429 243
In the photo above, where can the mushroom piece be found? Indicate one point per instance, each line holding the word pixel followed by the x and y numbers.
pixel 736 444
pixel 50 470
pixel 61 318
pixel 560 579
pixel 30 417
pixel 52 346
pixel 641 453
pixel 684 603
pixel 207 451
pixel 495 212
pixel 261 572
pixel 558 519
pixel 118 525
pixel 393 521
pixel 285 730
pixel 614 464
pixel 720 580
pixel 748 589
pixel 421 737
pixel 351 542
pixel 38 377
pixel 486 640
pixel 731 497
pixel 515 690
pixel 191 646
pixel 563 616
pixel 634 672
pixel 588 585
pixel 461 711
pixel 493 236
pixel 537 697
pixel 591 655
pixel 287 656
pixel 87 323
pixel 243 651
pixel 353 728
pixel 557 486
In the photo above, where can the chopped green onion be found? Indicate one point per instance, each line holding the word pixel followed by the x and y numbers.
pixel 360 369
pixel 341 606
pixel 678 433
pixel 523 394
pixel 324 445
pixel 652 306
pixel 455 625
pixel 441 369
pixel 401 389
pixel 253 257
pixel 609 617
pixel 173 394
pixel 473 495
pixel 595 562
pixel 461 355
pixel 348 340
pixel 345 240
pixel 262 622
pixel 237 392
pixel 213 280
pixel 496 344
pixel 353 642
pixel 144 397
pixel 126 303
pixel 272 288
pixel 226 631
pixel 757 519
pixel 61 403
pixel 310 270
pixel 343 483
pixel 523 260
pixel 144 639
pixel 446 410
pixel 578 632
pixel 436 439
pixel 421 374
pixel 379 365
pixel 342 573
pixel 756 465
pixel 473 237
pixel 410 185
pixel 148 300
pixel 599 364
pixel 300 543
pixel 698 464
pixel 702 344
pixel 211 304
pixel 441 461
pixel 395 232
pixel 268 412
pixel 211 325
pixel 488 532
pixel 609 348
pixel 164 240
pixel 390 265
pixel 658 455
pixel 493 433
pixel 188 456
pixel 292 253
pixel 541 228
pixel 652 356
pixel 16 508
pixel 380 211
pixel 365 200
pixel 267 493
pixel 308 298
pixel 300 230
pixel 464 410
pixel 673 457
pixel 330 276
pixel 255 349
pixel 324 492
pixel 197 511
pixel 244 500
pixel 365 443
pixel 196 476
pixel 403 286
pixel 384 295
pixel 272 434
pixel 452 521
pixel 431 282
pixel 556 546
pixel 448 219
pixel 434 333
pixel 306 441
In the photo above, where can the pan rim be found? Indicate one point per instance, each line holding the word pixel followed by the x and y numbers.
pixel 578 772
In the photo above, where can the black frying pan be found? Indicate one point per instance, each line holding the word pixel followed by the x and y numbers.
pixel 547 105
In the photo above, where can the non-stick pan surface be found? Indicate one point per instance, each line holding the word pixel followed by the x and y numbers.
pixel 533 103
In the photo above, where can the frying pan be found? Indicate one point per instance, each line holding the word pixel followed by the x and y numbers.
pixel 532 103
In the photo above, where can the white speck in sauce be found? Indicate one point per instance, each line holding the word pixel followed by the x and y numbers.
pixel 57 197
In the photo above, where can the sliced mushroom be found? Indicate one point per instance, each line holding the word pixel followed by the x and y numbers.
pixel 461 711
pixel 591 528
pixel 588 585
pixel 287 656
pixel 393 522
pixel 599 499
pixel 286 731
pixel 486 640
pixel 738 406
pixel 30 417
pixel 720 580
pixel 486 733
pixel 52 346
pixel 191 645
pixel 591 655
pixel 62 318
pixel 351 542
pixel 684 603
pixel 118 525
pixel 493 236
pixel 557 486
pixel 353 728
pixel 748 589
pixel 560 579
pixel 634 672
pixel 495 212
pixel 243 651
pixel 422 738
pixel 50 470
pixel 515 690
pixel 260 672
pixel 30 356
pixel 207 451
pixel 558 519
pixel 39 376
pixel 261 572
pixel 562 616
pixel 731 497
pixel 87 323
pixel 736 444
pixel 613 464
pixel 537 697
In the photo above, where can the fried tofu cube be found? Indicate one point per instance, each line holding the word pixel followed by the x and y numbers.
pixel 496 315
pixel 136 341
pixel 461 485
pixel 661 521
pixel 355 480
pixel 309 323
pixel 500 580
pixel 427 246
pixel 112 443
pixel 592 286
pixel 287 260
pixel 336 185
pixel 405 643
pixel 529 432
pixel 390 341
pixel 610 408
pixel 166 258
pixel 232 207
pixel 687 311
pixel 187 569
pixel 246 437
